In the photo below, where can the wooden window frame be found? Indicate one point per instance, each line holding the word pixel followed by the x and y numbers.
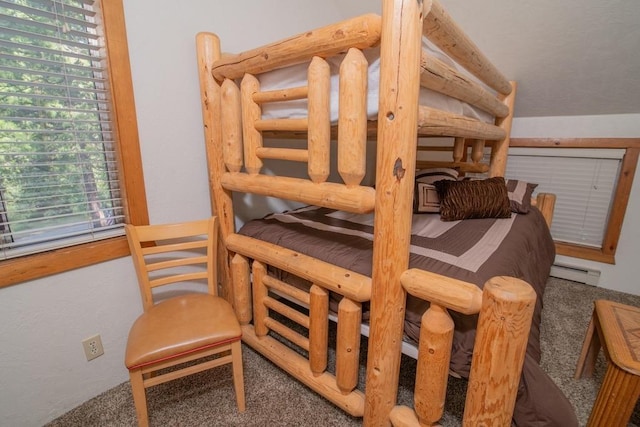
pixel 35 266
pixel 606 253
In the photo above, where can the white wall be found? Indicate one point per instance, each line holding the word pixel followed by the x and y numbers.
pixel 43 370
pixel 623 275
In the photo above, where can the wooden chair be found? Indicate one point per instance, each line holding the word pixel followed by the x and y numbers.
pixel 188 333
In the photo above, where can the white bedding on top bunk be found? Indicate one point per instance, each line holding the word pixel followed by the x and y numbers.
pixel 296 75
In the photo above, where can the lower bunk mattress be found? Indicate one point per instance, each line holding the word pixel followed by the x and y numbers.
pixel 472 250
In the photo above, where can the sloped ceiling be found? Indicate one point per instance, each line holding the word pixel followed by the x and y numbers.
pixel 569 57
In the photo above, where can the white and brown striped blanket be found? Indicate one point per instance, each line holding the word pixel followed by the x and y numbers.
pixel 472 250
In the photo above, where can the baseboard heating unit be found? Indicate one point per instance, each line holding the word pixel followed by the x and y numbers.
pixel 575 273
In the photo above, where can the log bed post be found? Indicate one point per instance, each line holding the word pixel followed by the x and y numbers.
pixel 352 119
pixel 241 277
pixel 503 326
pixel 458 150
pixel 501 147
pixel 319 120
pixel 260 293
pixel 395 173
pixel 251 113
pixel 318 329
pixel 208 47
pixel 231 125
pixel 433 368
pixel 348 344
pixel 505 307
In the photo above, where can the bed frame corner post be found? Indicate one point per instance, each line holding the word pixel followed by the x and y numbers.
pixel 500 149
pixel 499 351
pixel 208 51
pixel 546 203
pixel 396 155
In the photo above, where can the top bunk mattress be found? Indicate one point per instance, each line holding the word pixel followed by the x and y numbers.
pixel 296 76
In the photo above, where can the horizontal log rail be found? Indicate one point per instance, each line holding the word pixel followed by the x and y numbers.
pixel 331 277
pixel 457 295
pixel 441 123
pixel 296 365
pixel 281 95
pixel 291 154
pixel 286 311
pixel 288 333
pixel 448 36
pixel 361 32
pixel 358 199
pixel 424 130
pixel 282 125
pixel 460 166
pixel 438 76
pixel 434 148
pixel 546 203
pixel 286 289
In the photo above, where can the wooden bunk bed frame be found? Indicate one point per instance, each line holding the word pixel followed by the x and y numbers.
pixel 234 132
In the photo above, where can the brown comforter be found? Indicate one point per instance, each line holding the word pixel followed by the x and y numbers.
pixel 470 250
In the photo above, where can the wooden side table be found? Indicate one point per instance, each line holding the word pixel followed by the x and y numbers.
pixel 616 328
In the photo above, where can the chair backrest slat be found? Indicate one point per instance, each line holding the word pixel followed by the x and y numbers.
pixel 174 247
pixel 174 263
pixel 174 253
pixel 177 278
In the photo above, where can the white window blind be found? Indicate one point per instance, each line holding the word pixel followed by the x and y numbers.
pixel 584 182
pixel 58 169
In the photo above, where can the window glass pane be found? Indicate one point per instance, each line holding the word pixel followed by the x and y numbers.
pixel 584 186
pixel 58 177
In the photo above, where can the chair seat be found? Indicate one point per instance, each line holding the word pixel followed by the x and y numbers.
pixel 159 333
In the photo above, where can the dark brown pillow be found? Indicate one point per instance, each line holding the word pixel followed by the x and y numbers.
pixel 485 198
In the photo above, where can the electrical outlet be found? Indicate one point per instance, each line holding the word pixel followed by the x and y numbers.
pixel 93 347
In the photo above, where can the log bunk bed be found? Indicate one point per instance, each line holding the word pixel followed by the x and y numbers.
pixel 236 128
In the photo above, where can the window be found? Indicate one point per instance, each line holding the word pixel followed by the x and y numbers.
pixel 68 166
pixel 583 181
pixel 591 179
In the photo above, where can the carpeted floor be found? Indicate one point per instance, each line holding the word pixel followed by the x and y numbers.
pixel 275 399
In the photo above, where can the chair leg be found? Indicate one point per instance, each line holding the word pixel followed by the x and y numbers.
pixel 238 376
pixel 139 397
pixel 590 348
